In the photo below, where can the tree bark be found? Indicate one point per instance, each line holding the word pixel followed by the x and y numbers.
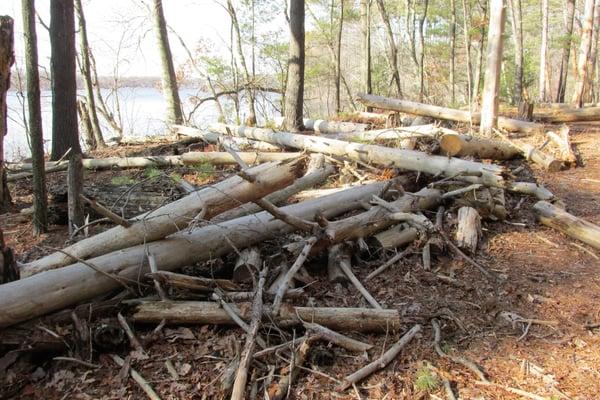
pixel 294 94
pixel 453 52
pixel 7 59
pixel 157 224
pixel 169 79
pixel 517 36
pixel 450 114
pixel 407 159
pixel 456 145
pixel 569 16
pixel 65 132
pixel 87 75
pixel 577 228
pixel 588 94
pixel 40 199
pixel 78 282
pixel 544 79
pixel 584 52
pixel 75 191
pixel 469 229
pixel 365 25
pixel 491 89
pixel 393 48
pixel 338 61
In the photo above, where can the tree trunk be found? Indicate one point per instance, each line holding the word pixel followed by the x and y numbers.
pixel 65 132
pixel 569 16
pixel 169 79
pixel 450 114
pixel 365 25
pixel 78 282
pixel 588 94
pixel 380 155
pixel 75 191
pixel 7 59
pixel 469 229
pixel 584 52
pixel 577 228
pixel 338 61
pixel 393 53
pixel 517 36
pixel 466 30
pixel 85 125
pixel 491 89
pixel 543 83
pixel 453 52
pixel 40 200
pixel 157 224
pixel 422 52
pixel 294 94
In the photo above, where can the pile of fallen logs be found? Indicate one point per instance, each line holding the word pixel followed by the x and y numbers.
pixel 266 226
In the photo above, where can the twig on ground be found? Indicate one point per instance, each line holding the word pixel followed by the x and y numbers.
pixel 135 343
pixel 144 385
pixel 154 269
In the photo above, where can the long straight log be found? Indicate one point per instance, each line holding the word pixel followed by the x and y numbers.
pixel 324 126
pixel 568 115
pixel 175 216
pixel 451 114
pixel 411 160
pixel 405 132
pixel 237 144
pixel 557 218
pixel 59 288
pixel 205 312
pixel 457 145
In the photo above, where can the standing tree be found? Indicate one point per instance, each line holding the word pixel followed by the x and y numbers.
pixel 65 135
pixel 365 24
pixel 7 59
pixel 86 71
pixel 294 94
pixel 584 52
pixel 491 88
pixel 452 33
pixel 588 93
pixel 544 81
pixel 393 51
pixel 566 51
pixel 338 60
pixel 517 30
pixel 40 202
pixel 169 79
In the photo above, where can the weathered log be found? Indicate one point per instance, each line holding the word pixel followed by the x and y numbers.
pixel 557 218
pixel 568 114
pixel 492 175
pixel 60 288
pixel 237 144
pixel 537 156
pixel 331 127
pixel 563 141
pixel 159 223
pixel 192 282
pixel 340 253
pixel 249 262
pixel 406 132
pixel 469 229
pixel 453 144
pixel 74 192
pixel 450 114
pixel 396 236
pixel 204 312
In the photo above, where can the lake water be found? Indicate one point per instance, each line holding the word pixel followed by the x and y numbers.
pixel 142 110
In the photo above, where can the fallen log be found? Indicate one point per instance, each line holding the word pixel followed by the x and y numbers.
pixel 406 132
pixel 174 216
pixel 247 265
pixel 205 312
pixel 469 229
pixel 237 144
pixel 537 156
pixel 557 218
pixel 340 253
pixel 563 141
pixel 451 114
pixel 562 115
pixel 192 282
pixel 411 160
pixel 63 287
pixel 396 236
pixel 324 126
pixel 456 145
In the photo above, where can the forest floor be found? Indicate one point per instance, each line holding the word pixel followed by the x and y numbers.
pixel 550 280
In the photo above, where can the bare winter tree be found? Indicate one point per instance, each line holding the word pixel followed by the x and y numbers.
pixel 491 88
pixel 584 52
pixel 169 79
pixel 87 77
pixel 65 135
pixel 294 95
pixel 7 59
pixel 516 22
pixel 40 202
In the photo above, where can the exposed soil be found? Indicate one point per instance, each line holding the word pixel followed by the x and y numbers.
pixel 547 278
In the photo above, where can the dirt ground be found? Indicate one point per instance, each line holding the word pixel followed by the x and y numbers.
pixel 550 281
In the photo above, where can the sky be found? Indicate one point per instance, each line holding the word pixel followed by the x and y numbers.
pixel 127 22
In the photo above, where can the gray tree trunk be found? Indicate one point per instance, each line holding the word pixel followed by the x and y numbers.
pixel 40 200
pixel 169 79
pixel 566 51
pixel 543 83
pixel 491 90
pixel 338 61
pixel 87 76
pixel 365 24
pixel 393 53
pixel 517 29
pixel 453 52
pixel 294 96
pixel 584 52
pixel 7 59
pixel 65 132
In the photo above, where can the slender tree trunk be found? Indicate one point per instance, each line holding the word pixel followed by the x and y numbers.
pixel 251 120
pixel 393 53
pixel 466 30
pixel 85 125
pixel 338 61
pixel 480 48
pixel 566 51
pixel 40 201
pixel 489 109
pixel 365 24
pixel 294 96
pixel 422 53
pixel 65 135
pixel 543 84
pixel 169 79
pixel 517 29
pixel 7 59
pixel 589 86
pixel 453 52
pixel 87 76
pixel 584 52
